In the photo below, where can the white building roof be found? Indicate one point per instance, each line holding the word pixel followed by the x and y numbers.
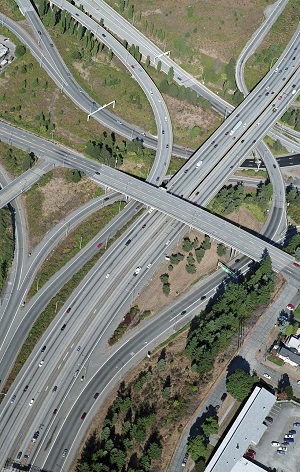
pixel 293 342
pixel 243 465
pixel 248 428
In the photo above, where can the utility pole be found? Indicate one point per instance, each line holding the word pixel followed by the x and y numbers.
pixel 98 109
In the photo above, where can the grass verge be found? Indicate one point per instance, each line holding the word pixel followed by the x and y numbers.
pixel 71 245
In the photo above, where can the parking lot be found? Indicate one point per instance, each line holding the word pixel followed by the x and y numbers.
pixel 284 415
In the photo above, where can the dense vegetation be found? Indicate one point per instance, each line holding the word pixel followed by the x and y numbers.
pixel 7 244
pixel 240 383
pixel 293 199
pixel 231 197
pixel 292 118
pixel 131 437
pixel 293 246
pixel 212 330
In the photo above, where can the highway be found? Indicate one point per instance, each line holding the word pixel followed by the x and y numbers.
pixel 87 104
pixel 38 371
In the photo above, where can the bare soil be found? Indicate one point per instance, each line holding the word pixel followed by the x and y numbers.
pixel 60 198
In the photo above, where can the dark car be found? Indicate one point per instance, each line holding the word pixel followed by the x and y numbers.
pixel 167 146
pixel 184 461
pixel 43 349
pixel 76 14
pixel 63 327
pixel 106 198
pixel 25 389
pixel 128 242
pixel 157 179
pixel 104 35
pixel 36 434
pixel 54 388
pixel 183 312
pixel 83 415
pixel 96 395
pixel 40 33
pixel 215 145
pixel 144 226
pixel 269 419
pixel 65 452
pixel 19 455
pixel 68 310
pixel 55 411
pixel 203 297
pixel 292 431
pixel 163 131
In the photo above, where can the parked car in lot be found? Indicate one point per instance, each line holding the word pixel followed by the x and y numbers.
pixel 292 431
pixel 269 419
pixel 290 307
pixel 267 376
pixel 275 443
pixel 280 452
pixel 289 440
pixel 297 424
pixel 288 436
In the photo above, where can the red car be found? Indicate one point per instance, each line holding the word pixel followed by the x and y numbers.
pixel 249 456
pixel 290 307
pixel 251 451
pixel 279 98
pixel 132 67
pixel 296 264
pixel 100 244
pixel 83 415
pixel 68 310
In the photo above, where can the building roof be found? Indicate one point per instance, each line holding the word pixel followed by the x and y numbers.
pixel 286 353
pixel 247 428
pixel 243 465
pixel 293 342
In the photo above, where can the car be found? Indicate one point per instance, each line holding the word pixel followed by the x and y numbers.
pixel 151 92
pixel 288 436
pixel 292 431
pixel 285 444
pixel 267 376
pixel 251 451
pixel 183 312
pixel 99 245
pixel 107 275
pixel 272 93
pixel 258 123
pixel 144 226
pixel 179 78
pixel 128 242
pixel 132 67
pixel 215 145
pixel 96 395
pixel 137 270
pixel 64 452
pixel 31 402
pixel 269 419
pixel 80 91
pixel 275 443
pixel 274 110
pixel 167 258
pixel 163 131
pixel 268 87
pixel 78 349
pixel 82 378
pixel 150 210
pixel 290 307
pixel 166 119
pixel 26 388
pixel 98 173
pixel 267 93
pixel 249 456
pixel 227 132
pixel 63 327
pixel 276 70
pixel 76 14
pixel 280 452
pixel 76 373
pixel 274 165
pixel 286 68
pixel 254 141
pixel 296 425
pixel 185 459
pixel 19 455
pixel 51 44
pixel 168 242
pixel 289 440
pixel 294 86
pixel 282 448
pixel 279 72
pixel 68 310
pixel 104 35
pixel 54 388
pixel 24 303
pixel 149 265
pixel 43 349
pixel 280 97
pixel 68 74
pixel 5 39
pixel 83 415
pixel 203 297
pixel 41 363
pixel 294 58
pixel 298 382
pixel 283 78
pixel 293 92
pixel 36 434
pixel 54 411
pixel 242 141
pixel 13 398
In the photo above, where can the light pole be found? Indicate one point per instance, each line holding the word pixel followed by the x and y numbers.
pixel 80 242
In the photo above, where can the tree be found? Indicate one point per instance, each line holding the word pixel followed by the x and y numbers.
pixel 221 250
pixel 20 50
pixel 210 426
pixel 240 383
pixel 159 66
pixel 147 61
pixel 117 457
pixel 170 76
pixel 154 451
pixel 197 448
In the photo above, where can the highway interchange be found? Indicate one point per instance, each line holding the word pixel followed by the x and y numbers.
pixel 105 292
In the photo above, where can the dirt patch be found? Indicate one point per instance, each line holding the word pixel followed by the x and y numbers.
pixel 59 198
pixel 290 173
pixel 188 115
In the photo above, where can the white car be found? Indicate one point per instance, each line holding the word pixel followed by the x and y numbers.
pixel 150 210
pixel 137 270
pixel 282 448
pixel 107 275
pixel 267 376
pixel 149 265
pixel 31 402
pixel 41 363
pixel 275 444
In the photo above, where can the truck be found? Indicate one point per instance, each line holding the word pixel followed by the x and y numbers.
pixel 289 440
pixel 236 126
